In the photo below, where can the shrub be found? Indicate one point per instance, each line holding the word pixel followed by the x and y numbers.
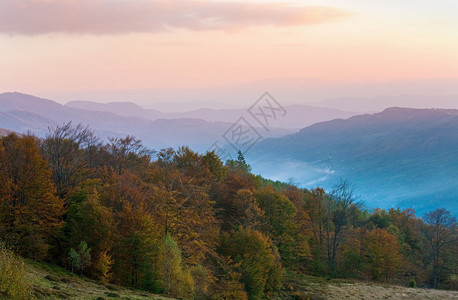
pixel 412 283
pixel 13 284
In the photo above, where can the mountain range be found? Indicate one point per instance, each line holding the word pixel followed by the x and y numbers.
pixel 297 116
pixel 198 128
pixel 380 103
pixel 399 157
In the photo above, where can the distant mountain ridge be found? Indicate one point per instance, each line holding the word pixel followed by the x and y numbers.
pixel 125 109
pixel 401 156
pixel 298 116
pixel 380 103
pixel 23 113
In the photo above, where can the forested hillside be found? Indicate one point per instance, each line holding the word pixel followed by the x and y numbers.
pixel 399 157
pixel 190 226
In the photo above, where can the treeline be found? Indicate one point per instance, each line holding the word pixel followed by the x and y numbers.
pixel 187 225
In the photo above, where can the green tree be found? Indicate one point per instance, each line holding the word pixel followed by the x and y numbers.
pixel 88 220
pixel 135 248
pixel 177 281
pixel 259 261
pixel 73 260
pixel 240 164
pixel 79 259
pixel 279 221
pixel 84 253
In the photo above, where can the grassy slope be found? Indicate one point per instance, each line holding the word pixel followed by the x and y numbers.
pixel 53 282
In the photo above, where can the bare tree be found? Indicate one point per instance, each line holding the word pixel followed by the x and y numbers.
pixel 341 204
pixel 92 145
pixel 440 234
pixel 128 150
pixel 63 149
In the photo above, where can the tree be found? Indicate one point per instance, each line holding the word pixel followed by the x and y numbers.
pixel 228 284
pixel 259 261
pixel 246 210
pixel 135 249
pixel 406 227
pixel 203 279
pixel 88 220
pixel 176 279
pixel 103 265
pixel 440 234
pixel 127 152
pixel 84 253
pixel 353 255
pixel 182 205
pixel 239 165
pixel 74 260
pixel 225 195
pixel 214 165
pixel 30 213
pixel 79 259
pixel 302 258
pixel 279 221
pixel 341 205
pixel 63 149
pixel 382 254
pixel 316 206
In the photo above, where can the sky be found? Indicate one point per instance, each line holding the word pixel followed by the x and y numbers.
pixel 93 48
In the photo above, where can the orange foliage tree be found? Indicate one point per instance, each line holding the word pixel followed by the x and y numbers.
pixel 30 212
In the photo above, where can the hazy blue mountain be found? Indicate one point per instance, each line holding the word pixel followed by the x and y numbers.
pixel 405 157
pixel 380 103
pixel 23 113
pixel 298 116
pixel 55 113
pixel 125 109
pixel 24 121
pixel 195 133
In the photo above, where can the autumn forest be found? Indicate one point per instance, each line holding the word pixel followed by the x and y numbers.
pixel 191 226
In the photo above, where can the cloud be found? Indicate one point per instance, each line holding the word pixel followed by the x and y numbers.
pixel 31 17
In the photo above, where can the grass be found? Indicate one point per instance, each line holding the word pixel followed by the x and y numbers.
pixel 52 282
pixel 320 288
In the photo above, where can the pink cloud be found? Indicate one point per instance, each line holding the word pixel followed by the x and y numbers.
pixel 31 17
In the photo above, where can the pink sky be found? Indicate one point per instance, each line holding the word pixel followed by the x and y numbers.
pixel 61 46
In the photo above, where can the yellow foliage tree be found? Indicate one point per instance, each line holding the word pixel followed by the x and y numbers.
pixel 30 212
